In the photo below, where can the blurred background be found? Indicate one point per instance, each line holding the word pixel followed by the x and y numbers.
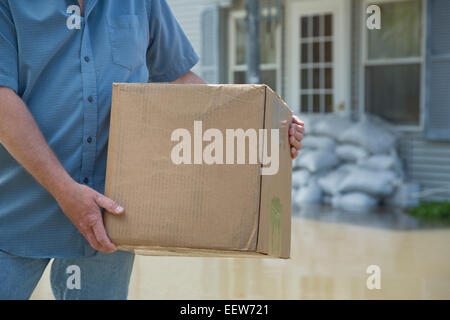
pixel 372 185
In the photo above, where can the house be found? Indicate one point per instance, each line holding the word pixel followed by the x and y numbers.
pixel 322 57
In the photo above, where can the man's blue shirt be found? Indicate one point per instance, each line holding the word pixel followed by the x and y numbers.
pixel 65 76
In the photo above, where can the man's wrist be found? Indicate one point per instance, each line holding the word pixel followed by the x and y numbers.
pixel 63 187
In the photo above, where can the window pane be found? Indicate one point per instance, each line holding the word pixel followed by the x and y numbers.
pixel 267 42
pixel 316 78
pixel 269 77
pixel 316 52
pixel 328 51
pixel 316 26
pixel 304 27
pixel 316 103
pixel 241 50
pixel 240 77
pixel 304 52
pixel 400 33
pixel 304 79
pixel 328 78
pixel 393 93
pixel 328 25
pixel 329 103
pixel 305 103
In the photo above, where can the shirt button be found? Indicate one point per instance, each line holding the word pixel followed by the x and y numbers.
pixel 90 99
pixel 86 59
pixel 85 180
pixel 89 140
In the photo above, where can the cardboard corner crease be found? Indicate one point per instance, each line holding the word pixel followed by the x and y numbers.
pixel 196 208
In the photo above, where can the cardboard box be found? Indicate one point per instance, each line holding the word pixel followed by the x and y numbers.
pixel 178 197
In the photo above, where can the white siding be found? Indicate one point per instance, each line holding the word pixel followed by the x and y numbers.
pixel 188 13
pixel 427 162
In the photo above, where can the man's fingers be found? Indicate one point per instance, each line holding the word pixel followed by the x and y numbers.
pixel 102 237
pixel 297 135
pixel 90 237
pixel 108 204
pixel 300 128
pixel 294 153
pixel 296 120
pixel 295 127
pixel 295 143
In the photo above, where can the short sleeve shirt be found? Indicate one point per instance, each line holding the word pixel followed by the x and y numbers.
pixel 63 65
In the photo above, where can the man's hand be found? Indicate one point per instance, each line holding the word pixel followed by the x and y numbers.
pixel 82 205
pixel 296 132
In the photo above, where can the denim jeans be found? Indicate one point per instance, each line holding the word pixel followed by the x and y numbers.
pixel 102 276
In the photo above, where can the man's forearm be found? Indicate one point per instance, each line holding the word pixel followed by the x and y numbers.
pixel 189 78
pixel 21 136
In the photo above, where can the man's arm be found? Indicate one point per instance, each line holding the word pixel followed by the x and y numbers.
pixel 296 130
pixel 21 136
pixel 189 77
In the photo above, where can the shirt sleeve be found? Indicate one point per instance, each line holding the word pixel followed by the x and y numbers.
pixel 170 54
pixel 8 49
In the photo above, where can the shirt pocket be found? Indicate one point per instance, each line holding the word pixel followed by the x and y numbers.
pixel 129 40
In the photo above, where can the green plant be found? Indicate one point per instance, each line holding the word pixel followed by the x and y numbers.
pixel 432 211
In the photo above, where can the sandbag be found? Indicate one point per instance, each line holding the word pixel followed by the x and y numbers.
pixel 330 183
pixel 331 125
pixel 295 162
pixel 300 178
pixel 350 152
pixel 370 135
pixel 310 194
pixel 354 202
pixel 327 199
pixel 404 196
pixel 318 160
pixel 348 166
pixel 301 154
pixel 378 162
pixel 398 165
pixel 316 142
pixel 375 183
pixel 310 122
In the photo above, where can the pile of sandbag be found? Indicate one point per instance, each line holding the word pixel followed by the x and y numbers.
pixel 349 165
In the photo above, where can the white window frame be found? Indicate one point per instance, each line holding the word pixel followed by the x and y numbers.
pixel 233 67
pixel 341 49
pixel 365 62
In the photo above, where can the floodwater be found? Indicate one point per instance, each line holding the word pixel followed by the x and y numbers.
pixel 329 261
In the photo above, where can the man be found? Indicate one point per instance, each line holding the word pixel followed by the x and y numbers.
pixel 55 95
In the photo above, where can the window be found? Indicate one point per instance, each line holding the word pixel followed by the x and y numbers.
pixel 270 39
pixel 437 100
pixel 393 62
pixel 316 63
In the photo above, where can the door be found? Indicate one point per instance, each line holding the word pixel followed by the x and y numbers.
pixel 319 56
